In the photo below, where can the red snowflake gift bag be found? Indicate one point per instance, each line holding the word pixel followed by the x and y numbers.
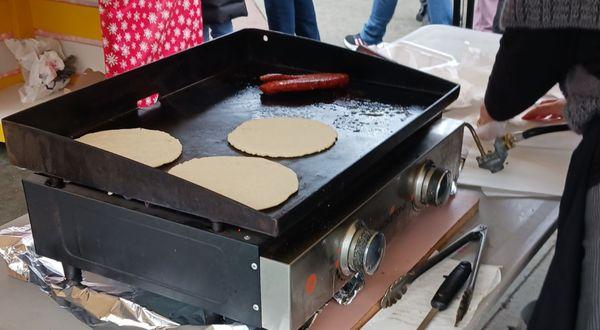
pixel 138 32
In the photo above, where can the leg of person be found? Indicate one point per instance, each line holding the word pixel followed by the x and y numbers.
pixel 281 16
pixel 221 29
pixel 422 11
pixel 496 28
pixel 381 14
pixel 588 313
pixel 485 11
pixel 206 32
pixel 306 19
pixel 440 11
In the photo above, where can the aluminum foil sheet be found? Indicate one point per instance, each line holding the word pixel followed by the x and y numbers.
pixel 97 301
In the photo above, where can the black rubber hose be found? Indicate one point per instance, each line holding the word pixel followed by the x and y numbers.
pixel 544 130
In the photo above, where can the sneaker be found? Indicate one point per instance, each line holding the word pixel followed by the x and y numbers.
pixel 353 41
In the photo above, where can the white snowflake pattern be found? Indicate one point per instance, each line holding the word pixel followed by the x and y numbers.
pixel 152 18
pixel 128 15
pixel 137 36
pixel 161 26
pixel 143 46
pixel 158 5
pixel 187 33
pixel 124 25
pixel 182 45
pixel 147 33
pixel 167 45
pixel 181 19
pixel 177 32
pixel 156 35
pixel 112 28
pixel 125 3
pixel 125 50
pixel 142 3
pixel 133 27
pixel 196 3
pixel 169 4
pixel 164 14
pixel 104 42
pixel 136 16
pixel 127 37
pixel 111 59
pixel 119 37
pixel 188 21
pixel 133 61
pixel 116 47
pixel 154 47
pixel 138 55
pixel 186 4
pixel 119 15
pixel 142 25
pixel 123 64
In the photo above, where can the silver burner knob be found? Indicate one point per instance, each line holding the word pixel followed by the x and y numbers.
pixel 433 185
pixel 362 250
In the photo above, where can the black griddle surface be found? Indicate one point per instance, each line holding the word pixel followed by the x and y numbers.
pixel 202 115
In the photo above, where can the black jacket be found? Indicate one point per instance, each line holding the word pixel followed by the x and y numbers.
pixel 529 62
pixel 219 11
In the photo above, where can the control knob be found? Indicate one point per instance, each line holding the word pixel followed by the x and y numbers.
pixel 362 250
pixel 433 185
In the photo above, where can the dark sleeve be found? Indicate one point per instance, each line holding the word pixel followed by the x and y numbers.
pixel 528 64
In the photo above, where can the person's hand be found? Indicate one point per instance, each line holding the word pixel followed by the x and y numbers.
pixel 487 128
pixel 484 116
pixel 547 111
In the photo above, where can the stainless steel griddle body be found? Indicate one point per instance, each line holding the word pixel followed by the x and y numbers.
pixel 179 240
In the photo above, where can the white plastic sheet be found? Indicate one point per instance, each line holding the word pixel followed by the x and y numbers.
pixel 470 70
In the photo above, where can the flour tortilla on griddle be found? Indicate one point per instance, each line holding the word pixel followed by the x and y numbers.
pixel 256 182
pixel 150 147
pixel 282 137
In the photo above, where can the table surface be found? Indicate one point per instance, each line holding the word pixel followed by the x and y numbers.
pixel 517 229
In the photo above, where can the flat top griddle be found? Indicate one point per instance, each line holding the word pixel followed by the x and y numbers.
pixel 205 93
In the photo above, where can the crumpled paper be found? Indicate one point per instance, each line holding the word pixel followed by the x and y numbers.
pixel 44 66
pixel 96 301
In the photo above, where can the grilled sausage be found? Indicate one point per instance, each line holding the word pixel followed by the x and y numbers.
pixel 307 82
pixel 277 76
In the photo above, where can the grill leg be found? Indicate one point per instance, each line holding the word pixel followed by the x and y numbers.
pixel 72 274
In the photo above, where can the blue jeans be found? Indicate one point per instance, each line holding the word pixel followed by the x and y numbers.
pixel 440 12
pixel 295 17
pixel 217 30
pixel 381 14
